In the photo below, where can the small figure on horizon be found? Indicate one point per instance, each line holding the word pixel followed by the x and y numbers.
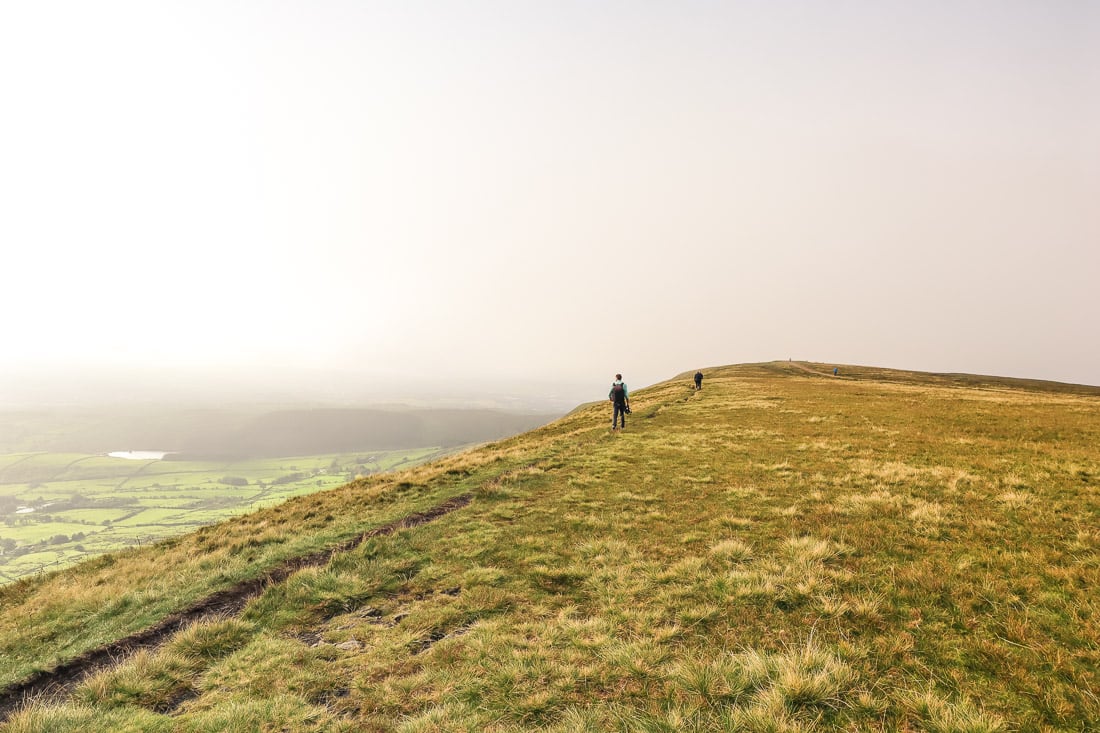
pixel 835 370
pixel 620 398
pixel 698 381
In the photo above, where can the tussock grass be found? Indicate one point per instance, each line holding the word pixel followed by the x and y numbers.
pixel 941 715
pixel 149 680
pixel 779 552
pixel 731 551
pixel 80 718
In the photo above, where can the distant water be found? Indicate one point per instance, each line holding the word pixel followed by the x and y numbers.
pixel 139 455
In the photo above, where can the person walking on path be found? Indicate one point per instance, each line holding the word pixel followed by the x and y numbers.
pixel 698 381
pixel 620 398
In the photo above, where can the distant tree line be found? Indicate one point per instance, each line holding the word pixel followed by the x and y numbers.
pixel 9 548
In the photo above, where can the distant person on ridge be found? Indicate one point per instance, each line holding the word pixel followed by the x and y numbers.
pixel 620 398
pixel 698 381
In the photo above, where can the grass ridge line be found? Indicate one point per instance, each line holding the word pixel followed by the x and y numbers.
pixel 227 602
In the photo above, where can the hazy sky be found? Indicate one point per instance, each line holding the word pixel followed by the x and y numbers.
pixel 553 190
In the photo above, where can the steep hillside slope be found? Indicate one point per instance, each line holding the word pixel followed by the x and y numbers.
pixel 783 551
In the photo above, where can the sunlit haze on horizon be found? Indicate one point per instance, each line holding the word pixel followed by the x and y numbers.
pixel 519 195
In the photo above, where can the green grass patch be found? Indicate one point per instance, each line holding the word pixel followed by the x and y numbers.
pixel 151 500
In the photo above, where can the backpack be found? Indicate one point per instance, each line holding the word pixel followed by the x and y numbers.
pixel 617 391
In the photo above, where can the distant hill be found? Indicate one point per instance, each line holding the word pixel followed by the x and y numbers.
pixel 305 432
pixel 254 433
pixel 784 550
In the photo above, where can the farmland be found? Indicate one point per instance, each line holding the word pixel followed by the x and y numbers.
pixel 58 508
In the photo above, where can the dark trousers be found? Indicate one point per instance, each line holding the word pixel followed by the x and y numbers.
pixel 620 409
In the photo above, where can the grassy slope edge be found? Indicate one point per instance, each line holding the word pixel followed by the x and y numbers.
pixel 779 552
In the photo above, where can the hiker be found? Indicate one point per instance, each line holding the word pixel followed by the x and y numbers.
pixel 835 370
pixel 620 398
pixel 698 381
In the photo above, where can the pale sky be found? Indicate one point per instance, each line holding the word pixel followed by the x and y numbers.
pixel 554 191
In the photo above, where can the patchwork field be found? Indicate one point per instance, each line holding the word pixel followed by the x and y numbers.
pixel 59 508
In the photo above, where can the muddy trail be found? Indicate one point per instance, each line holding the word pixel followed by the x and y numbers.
pixel 808 369
pixel 59 681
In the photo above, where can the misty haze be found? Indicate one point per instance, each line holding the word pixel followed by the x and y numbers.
pixel 310 312
pixel 513 204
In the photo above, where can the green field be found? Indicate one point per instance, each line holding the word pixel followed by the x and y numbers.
pixel 85 505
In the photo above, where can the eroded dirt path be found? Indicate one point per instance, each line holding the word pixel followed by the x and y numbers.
pixel 806 368
pixel 59 681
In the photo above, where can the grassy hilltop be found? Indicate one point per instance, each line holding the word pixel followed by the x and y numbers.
pixel 783 551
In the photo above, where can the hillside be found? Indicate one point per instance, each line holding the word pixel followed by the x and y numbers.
pixel 783 551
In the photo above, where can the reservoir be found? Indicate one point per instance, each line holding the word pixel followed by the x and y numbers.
pixel 139 455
